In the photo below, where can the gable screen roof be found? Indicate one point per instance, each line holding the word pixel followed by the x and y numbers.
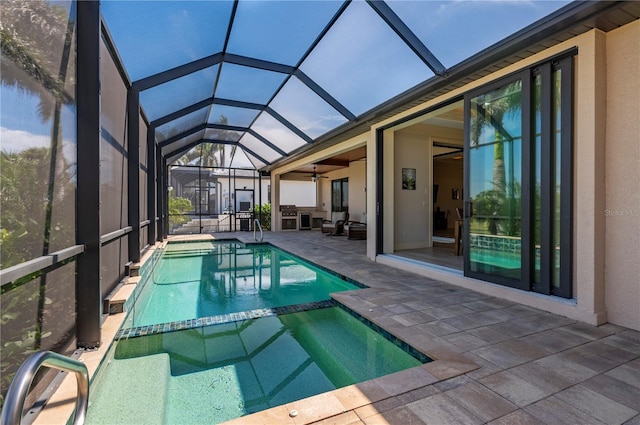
pixel 273 78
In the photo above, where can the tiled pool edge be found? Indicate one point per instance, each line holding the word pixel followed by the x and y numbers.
pixel 234 317
pixel 423 358
pixel 220 319
pixel 62 404
pixel 267 312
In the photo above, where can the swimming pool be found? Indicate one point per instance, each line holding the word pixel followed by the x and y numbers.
pixel 216 373
pixel 201 279
pixel 218 361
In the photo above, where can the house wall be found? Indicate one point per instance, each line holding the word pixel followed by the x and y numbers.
pixel 605 74
pixel 357 190
pixel 356 174
pixel 622 162
pixel 606 225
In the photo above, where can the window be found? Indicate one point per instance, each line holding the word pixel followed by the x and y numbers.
pixel 340 195
pixel 518 139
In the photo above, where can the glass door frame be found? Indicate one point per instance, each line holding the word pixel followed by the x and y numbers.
pixel 524 282
pixel 560 151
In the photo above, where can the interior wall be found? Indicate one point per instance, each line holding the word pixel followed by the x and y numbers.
pixel 622 209
pixel 412 219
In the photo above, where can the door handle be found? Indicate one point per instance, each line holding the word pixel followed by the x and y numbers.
pixel 468 209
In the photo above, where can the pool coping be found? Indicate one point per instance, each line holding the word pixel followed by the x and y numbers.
pixel 343 401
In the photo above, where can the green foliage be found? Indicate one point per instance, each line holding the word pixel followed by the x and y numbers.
pixel 500 210
pixel 177 208
pixel 265 209
pixel 32 36
pixel 37 187
pixel 37 314
pixel 24 194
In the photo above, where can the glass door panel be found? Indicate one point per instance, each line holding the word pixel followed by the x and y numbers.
pixel 493 215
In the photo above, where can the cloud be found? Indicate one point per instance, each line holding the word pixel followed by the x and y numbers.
pixel 14 141
pixel 20 140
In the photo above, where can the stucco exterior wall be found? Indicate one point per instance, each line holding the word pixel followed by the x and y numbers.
pixel 357 190
pixel 622 206
pixel 606 223
pixel 591 128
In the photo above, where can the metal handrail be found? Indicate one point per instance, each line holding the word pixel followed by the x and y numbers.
pixel 223 219
pixel 17 393
pixel 254 231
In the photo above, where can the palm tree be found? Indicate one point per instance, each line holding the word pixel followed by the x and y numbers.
pixel 36 45
pixel 490 111
pixel 211 154
pixel 33 34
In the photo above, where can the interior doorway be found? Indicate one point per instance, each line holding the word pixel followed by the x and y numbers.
pixel 448 187
pixel 426 218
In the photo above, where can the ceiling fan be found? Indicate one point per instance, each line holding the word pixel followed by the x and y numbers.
pixel 315 176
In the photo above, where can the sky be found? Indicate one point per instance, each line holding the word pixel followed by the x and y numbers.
pixel 360 62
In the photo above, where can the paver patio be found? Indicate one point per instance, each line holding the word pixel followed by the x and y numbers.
pixel 534 367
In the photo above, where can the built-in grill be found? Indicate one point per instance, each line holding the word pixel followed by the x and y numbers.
pixel 289 217
pixel 288 210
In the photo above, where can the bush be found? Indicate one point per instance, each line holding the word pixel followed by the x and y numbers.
pixel 177 208
pixel 265 220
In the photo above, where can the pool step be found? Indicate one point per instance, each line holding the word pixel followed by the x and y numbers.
pixel 131 391
pixel 132 269
pixel 117 300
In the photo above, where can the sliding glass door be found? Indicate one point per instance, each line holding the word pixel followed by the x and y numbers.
pixel 495 183
pixel 518 171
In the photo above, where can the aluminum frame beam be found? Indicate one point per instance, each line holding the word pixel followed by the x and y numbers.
pixel 88 265
pixel 399 27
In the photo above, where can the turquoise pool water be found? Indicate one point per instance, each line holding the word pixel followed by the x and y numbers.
pixel 216 373
pixel 219 330
pixel 201 279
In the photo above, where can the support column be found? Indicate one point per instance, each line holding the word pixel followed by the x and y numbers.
pixel 133 155
pixel 165 198
pixel 161 193
pixel 88 280
pixel 589 160
pixel 151 184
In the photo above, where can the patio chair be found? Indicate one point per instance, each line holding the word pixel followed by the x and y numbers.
pixel 335 226
pixel 356 229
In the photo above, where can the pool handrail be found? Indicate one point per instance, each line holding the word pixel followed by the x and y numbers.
pixel 259 226
pixel 19 388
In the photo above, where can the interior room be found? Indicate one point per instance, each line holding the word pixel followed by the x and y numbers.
pixel 436 191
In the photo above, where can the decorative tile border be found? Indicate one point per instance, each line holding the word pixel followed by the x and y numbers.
pixel 221 319
pixel 265 312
